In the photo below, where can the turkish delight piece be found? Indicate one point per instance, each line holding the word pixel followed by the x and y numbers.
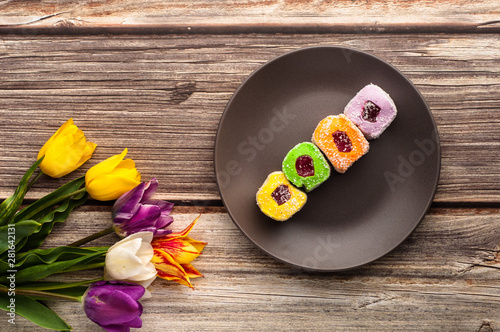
pixel 278 199
pixel 340 140
pixel 305 165
pixel 372 110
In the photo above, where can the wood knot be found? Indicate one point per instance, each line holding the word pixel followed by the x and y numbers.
pixel 68 23
pixel 485 327
pixel 182 92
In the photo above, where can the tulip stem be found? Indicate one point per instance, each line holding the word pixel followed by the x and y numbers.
pixel 92 237
pixel 84 267
pixel 48 286
pixel 37 293
pixel 74 193
pixel 32 182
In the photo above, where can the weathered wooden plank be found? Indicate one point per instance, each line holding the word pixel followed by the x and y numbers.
pixel 162 97
pixel 238 14
pixel 444 277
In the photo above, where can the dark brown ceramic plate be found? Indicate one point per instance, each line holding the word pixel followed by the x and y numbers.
pixel 352 218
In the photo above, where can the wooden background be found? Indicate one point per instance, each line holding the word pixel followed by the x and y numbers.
pixel 155 76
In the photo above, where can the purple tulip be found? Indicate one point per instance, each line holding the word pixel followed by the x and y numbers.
pixel 135 211
pixel 114 305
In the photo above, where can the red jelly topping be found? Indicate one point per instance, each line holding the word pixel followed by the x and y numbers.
pixel 304 166
pixel 370 111
pixel 342 141
pixel 281 194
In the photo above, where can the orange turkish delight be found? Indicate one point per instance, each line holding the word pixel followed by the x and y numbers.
pixel 340 140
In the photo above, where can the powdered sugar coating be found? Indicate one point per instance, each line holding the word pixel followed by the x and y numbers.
pixel 321 166
pixel 374 94
pixel 270 207
pixel 323 138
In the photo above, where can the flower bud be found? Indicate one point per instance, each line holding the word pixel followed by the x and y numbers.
pixel 130 260
pixel 65 151
pixel 114 305
pixel 112 178
pixel 135 211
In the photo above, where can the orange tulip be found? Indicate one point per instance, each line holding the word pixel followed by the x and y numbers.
pixel 173 254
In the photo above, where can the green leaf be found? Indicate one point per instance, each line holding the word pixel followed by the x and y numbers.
pixel 52 255
pixel 34 311
pixel 12 234
pixel 10 206
pixel 22 243
pixel 45 204
pixel 59 214
pixel 40 271
pixel 4 266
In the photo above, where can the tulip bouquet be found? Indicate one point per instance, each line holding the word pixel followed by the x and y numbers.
pixel 147 249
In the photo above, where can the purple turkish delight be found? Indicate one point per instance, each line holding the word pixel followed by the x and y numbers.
pixel 372 110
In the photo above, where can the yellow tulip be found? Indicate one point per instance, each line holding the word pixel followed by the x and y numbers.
pixel 112 178
pixel 65 151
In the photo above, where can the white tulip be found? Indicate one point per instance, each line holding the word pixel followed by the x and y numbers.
pixel 130 260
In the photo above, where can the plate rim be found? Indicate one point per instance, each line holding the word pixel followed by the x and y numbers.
pixel 351 50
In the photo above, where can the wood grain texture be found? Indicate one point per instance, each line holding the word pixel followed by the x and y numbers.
pixel 188 14
pixel 163 96
pixel 155 77
pixel 444 277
